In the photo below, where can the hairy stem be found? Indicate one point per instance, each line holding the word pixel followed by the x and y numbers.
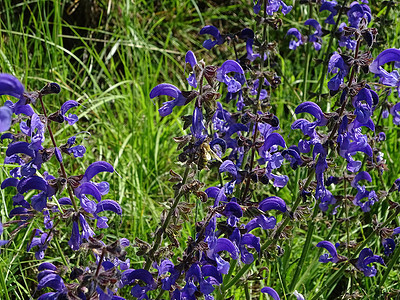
pixel 64 174
pixel 161 231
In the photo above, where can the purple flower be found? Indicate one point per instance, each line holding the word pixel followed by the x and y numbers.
pixel 227 67
pixel 41 242
pixel 270 291
pixel 270 203
pixel 198 127
pixel 337 65
pixel 9 85
pixel 392 78
pixel 165 267
pixel 168 90
pixel 130 277
pixel 190 58
pixel 394 111
pixel 49 278
pixel 324 258
pixel 357 12
pixel 296 33
pixel 212 30
pixel 272 7
pixel 330 6
pixel 366 258
pixel 71 118
pixel 241 241
pixel 315 38
pixel 5 118
pixel 218 245
pixel 363 193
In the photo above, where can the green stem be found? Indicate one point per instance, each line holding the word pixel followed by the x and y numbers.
pixel 306 247
pixel 65 262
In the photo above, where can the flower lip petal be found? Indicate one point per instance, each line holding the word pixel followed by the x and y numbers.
pixel 270 291
pixel 165 89
pixel 88 188
pixel 10 85
pixel 32 183
pixel 384 57
pixel 330 247
pixel 210 270
pixel 246 33
pixel 5 118
pixel 47 266
pixel 313 109
pixel 273 202
pixel 212 30
pixel 97 167
pixel 314 23
pixel 274 139
pixel 233 209
pixel 51 280
pixel 9 182
pixel 295 32
pixel 190 58
pixel 230 66
pixel 20 147
pixel 228 166
pixel 224 244
pixel 363 175
pixel 68 105
pixel 129 276
pixel 109 205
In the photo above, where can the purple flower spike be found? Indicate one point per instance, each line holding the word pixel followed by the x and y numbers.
pixel 212 30
pixel 273 202
pixel 313 109
pixel 324 258
pixel 227 67
pixel 270 291
pixel 296 33
pixel 168 90
pixel 9 85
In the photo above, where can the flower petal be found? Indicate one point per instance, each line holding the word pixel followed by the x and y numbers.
pixel 108 205
pixel 97 167
pixel 270 291
pixel 32 183
pixel 10 85
pixel 273 202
